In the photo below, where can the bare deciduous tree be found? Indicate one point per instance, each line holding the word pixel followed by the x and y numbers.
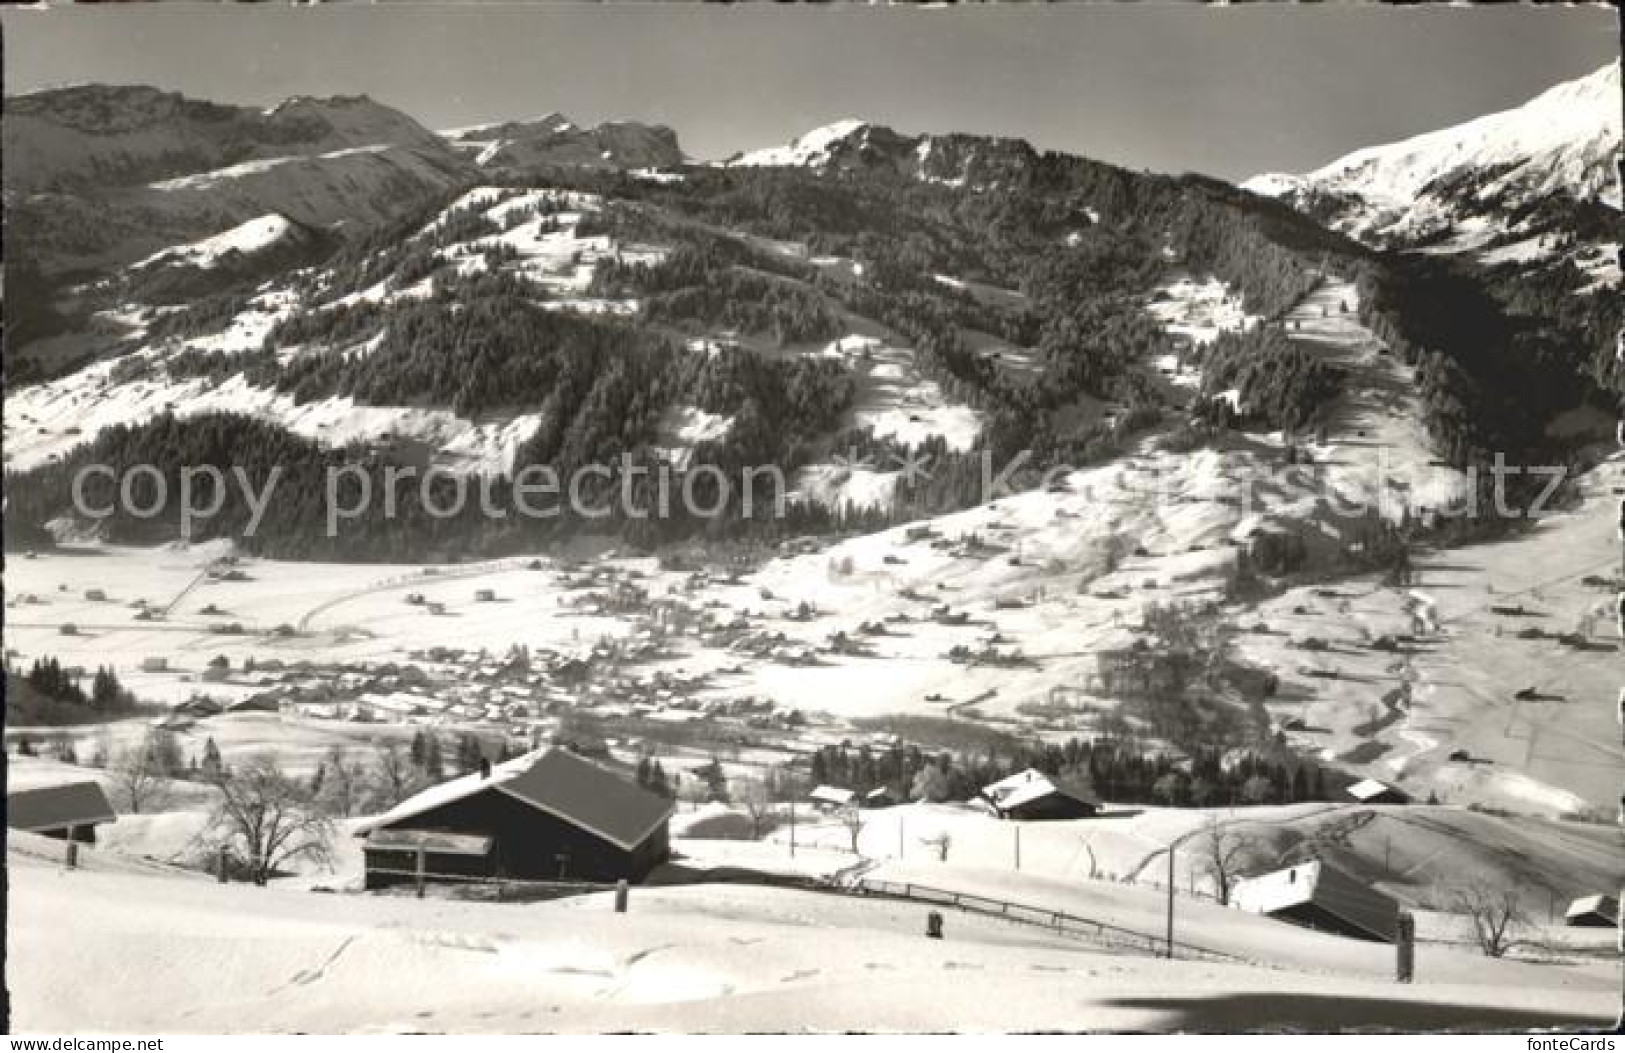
pixel 1497 916
pixel 139 775
pixel 398 777
pixel 343 782
pixel 761 797
pixel 930 784
pixel 755 796
pixel 1222 856
pixel 270 819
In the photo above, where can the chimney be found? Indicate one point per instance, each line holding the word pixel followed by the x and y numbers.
pixel 485 768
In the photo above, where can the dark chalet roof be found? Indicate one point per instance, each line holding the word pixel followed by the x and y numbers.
pixel 58 807
pixel 559 783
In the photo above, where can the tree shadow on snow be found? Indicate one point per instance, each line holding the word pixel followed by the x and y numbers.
pixel 1277 1011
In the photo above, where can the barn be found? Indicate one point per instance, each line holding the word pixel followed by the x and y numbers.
pixel 1032 795
pixel 70 811
pixel 1594 912
pixel 549 815
pixel 1319 896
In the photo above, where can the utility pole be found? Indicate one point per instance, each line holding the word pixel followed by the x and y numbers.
pixel 792 827
pixel 1620 1023
pixel 1405 947
pixel 1170 901
pixel 1018 847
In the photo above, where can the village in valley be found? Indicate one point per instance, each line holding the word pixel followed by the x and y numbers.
pixel 519 736
pixel 1064 691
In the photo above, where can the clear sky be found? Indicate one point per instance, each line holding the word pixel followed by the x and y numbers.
pixel 1230 91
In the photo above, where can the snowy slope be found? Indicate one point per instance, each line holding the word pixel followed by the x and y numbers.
pixel 1468 186
pixel 700 958
pixel 245 239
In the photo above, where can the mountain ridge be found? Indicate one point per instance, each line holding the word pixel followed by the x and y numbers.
pixel 1487 183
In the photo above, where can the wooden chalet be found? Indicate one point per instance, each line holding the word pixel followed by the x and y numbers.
pixel 549 815
pixel 1319 896
pixel 1031 795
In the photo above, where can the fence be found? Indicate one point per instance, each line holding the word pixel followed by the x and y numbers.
pixel 1115 936
pixel 503 889
pixel 1043 917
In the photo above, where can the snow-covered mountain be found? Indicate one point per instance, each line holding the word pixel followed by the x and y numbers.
pixel 555 139
pixel 1514 186
pixel 814 149
pixel 101 176
pixel 118 135
pixel 955 159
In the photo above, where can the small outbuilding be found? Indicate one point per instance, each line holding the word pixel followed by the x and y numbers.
pixel 1317 895
pixel 1371 791
pixel 199 706
pixel 831 797
pixel 1593 912
pixel 549 815
pixel 1031 795
pixel 879 798
pixel 154 664
pixel 70 811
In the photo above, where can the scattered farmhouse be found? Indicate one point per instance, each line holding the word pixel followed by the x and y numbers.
pixel 546 816
pixel 1371 791
pixel 1319 896
pixel 1032 795
pixel 879 798
pixel 70 811
pixel 831 797
pixel 1593 912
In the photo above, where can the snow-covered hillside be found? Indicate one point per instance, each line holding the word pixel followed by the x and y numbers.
pixel 1476 185
pixel 244 239
pixel 708 957
pixel 45 421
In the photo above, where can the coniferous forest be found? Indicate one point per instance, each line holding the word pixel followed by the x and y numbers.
pixel 1074 245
